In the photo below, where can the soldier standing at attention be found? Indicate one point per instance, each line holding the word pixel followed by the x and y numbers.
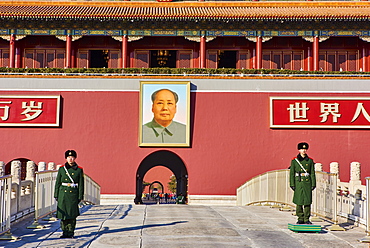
pixel 69 190
pixel 302 182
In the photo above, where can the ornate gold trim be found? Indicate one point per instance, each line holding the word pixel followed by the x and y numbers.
pixel 134 38
pixel 197 38
pixel 254 38
pixel 365 38
pixel 64 37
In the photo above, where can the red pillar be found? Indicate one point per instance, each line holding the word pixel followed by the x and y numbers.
pixel 309 59
pixel 259 52
pixel 315 53
pixel 124 52
pixel 73 58
pixel 17 57
pixel 12 51
pixel 69 51
pixel 364 58
pixel 202 52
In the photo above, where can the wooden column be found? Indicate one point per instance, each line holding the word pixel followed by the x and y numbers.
pixel 364 65
pixel 12 51
pixel 202 52
pixel 315 53
pixel 124 51
pixel 73 58
pixel 69 51
pixel 309 59
pixel 259 53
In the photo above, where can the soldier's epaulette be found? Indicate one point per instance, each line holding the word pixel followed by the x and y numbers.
pixel 80 167
pixel 294 158
pixel 62 165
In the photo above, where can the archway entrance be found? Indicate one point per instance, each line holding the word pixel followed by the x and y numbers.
pixel 167 159
pixel 153 189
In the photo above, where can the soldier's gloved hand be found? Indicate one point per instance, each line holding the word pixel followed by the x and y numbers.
pixel 56 198
pixel 313 187
pixel 292 187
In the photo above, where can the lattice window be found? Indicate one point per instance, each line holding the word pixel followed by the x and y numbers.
pixel 114 59
pixel 330 62
pixel 212 59
pixel 244 60
pixel 287 63
pixel 277 59
pixel 185 59
pixel 40 58
pixel 339 60
pixel 28 59
pixel 352 62
pixel 142 59
pixel 266 59
pixel 83 59
pixel 4 59
pixel 297 61
pixel 322 62
pixel 60 60
pixel 50 59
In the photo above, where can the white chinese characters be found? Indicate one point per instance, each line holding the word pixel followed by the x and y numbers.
pixel 5 107
pixel 329 108
pixel 299 111
pixel 36 110
pixel 360 109
pixel 31 110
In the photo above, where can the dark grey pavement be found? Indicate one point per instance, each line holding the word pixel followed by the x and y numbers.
pixel 200 226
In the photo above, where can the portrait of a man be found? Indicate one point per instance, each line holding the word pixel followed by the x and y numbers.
pixel 163 129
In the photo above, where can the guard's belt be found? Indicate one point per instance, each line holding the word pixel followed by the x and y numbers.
pixel 73 185
pixel 302 174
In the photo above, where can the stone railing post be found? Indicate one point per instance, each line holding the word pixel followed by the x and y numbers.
pixel 2 168
pixel 355 172
pixel 51 166
pixel 41 166
pixel 30 173
pixel 334 168
pixel 15 171
pixel 318 167
pixel 341 189
pixel 355 179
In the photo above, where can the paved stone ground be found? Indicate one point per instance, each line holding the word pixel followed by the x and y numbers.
pixel 148 226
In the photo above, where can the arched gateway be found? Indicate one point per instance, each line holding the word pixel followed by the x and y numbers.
pixel 167 159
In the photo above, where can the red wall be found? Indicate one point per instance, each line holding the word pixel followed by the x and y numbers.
pixel 231 140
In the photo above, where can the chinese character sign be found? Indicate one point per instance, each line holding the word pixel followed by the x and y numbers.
pixel 319 112
pixel 29 110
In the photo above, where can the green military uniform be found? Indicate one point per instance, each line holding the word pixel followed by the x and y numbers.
pixel 68 195
pixel 302 181
pixel 155 133
pixel 180 199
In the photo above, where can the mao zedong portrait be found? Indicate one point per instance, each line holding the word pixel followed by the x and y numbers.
pixel 163 129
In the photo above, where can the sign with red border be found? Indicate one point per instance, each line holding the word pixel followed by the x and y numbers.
pixel 40 111
pixel 320 112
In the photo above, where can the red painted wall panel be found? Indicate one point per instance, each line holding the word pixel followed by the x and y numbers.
pixel 231 140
